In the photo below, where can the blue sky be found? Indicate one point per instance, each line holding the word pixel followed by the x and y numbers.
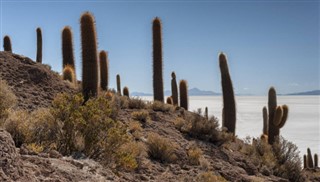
pixel 268 43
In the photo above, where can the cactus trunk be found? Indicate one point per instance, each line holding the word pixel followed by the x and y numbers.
pixel 309 158
pixel 118 84
pixel 174 89
pixel 67 49
pixel 229 104
pixel 183 94
pixel 157 61
pixel 89 56
pixel 265 120
pixel 126 91
pixel 103 70
pixel 7 44
pixel 272 105
pixel 39 45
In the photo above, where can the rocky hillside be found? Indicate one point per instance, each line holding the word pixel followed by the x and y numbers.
pixel 35 86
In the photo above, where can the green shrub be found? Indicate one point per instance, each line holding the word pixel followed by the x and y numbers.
pixel 7 100
pixel 160 148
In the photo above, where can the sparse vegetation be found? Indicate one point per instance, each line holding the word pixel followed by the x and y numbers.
pixel 209 177
pixel 160 148
pixel 141 116
pixel 8 100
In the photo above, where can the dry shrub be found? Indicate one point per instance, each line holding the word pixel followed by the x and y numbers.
pixel 194 155
pixel 179 123
pixel 7 100
pixel 130 155
pixel 137 103
pixel 141 116
pixel 35 147
pixel 44 130
pixel 288 160
pixel 160 148
pixel 16 124
pixel 209 177
pixel 281 159
pixel 160 106
pixel 91 123
pixel 135 129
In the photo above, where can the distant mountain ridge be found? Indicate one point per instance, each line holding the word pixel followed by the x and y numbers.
pixel 313 92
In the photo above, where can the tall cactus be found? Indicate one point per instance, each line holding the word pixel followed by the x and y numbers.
pixel 206 115
pixel 39 45
pixel 277 116
pixel 118 84
pixel 305 164
pixel 316 161
pixel 7 44
pixel 183 89
pixel 103 56
pixel 67 49
pixel 89 56
pixel 309 159
pixel 265 120
pixel 157 61
pixel 174 89
pixel 229 103
pixel 126 91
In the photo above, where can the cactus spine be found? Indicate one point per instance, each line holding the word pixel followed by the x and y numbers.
pixel 68 74
pixel 39 45
pixel 118 84
pixel 157 61
pixel 277 116
pixel 126 91
pixel 229 104
pixel 174 89
pixel 7 44
pixel 103 70
pixel 67 49
pixel 89 56
pixel 183 94
pixel 169 100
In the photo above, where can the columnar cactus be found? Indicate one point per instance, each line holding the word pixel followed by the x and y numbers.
pixel 89 56
pixel 67 49
pixel 103 70
pixel 169 100
pixel 68 74
pixel 305 162
pixel 39 45
pixel 118 84
pixel 229 103
pixel 309 159
pixel 316 161
pixel 277 116
pixel 265 120
pixel 206 113
pixel 157 61
pixel 183 89
pixel 7 44
pixel 126 91
pixel 174 89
